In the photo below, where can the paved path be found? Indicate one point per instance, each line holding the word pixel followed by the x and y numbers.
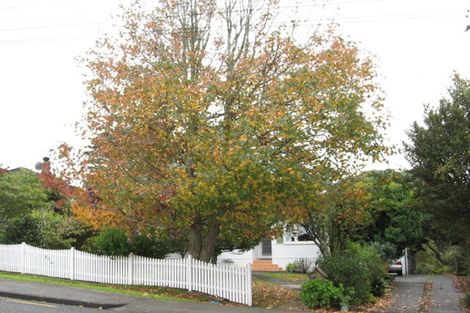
pixel 283 283
pixel 445 298
pixel 409 295
pixel 115 302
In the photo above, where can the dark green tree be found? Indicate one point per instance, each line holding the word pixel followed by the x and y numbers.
pixel 26 229
pixel 375 206
pixel 397 219
pixel 27 214
pixel 439 152
pixel 20 193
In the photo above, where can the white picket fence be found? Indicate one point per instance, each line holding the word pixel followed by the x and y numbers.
pixel 228 282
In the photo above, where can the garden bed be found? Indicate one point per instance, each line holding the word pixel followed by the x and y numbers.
pixel 462 283
pixel 273 296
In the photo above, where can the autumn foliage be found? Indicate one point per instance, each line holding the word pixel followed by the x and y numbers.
pixel 206 121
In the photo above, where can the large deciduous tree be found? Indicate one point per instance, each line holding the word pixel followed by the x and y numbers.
pixel 208 121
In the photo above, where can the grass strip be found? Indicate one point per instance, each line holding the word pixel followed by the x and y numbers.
pixel 158 293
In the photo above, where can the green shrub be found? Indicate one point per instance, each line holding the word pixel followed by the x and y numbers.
pixel 379 286
pixel 360 268
pixel 111 242
pixel 300 266
pixel 466 300
pixel 150 247
pixel 291 268
pixel 318 293
pixel 89 245
pixel 55 230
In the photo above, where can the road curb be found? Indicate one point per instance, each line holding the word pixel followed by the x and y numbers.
pixel 86 304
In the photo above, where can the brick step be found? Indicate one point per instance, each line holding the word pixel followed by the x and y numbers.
pixel 265 266
pixel 266 269
pixel 263 262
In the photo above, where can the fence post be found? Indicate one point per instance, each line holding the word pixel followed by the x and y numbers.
pixel 249 281
pixel 189 273
pixel 130 268
pixel 72 263
pixel 23 257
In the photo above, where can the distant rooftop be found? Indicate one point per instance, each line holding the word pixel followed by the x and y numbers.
pixel 3 170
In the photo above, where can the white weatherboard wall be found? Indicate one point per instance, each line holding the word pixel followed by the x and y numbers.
pixel 228 282
pixel 289 252
pixel 282 253
pixel 238 257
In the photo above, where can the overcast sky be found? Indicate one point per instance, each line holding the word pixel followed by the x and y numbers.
pixel 417 45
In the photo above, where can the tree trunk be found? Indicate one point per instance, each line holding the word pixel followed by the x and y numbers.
pixel 436 253
pixel 203 238
pixel 319 238
pixel 195 238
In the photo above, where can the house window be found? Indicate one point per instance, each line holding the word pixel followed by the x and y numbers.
pixel 295 233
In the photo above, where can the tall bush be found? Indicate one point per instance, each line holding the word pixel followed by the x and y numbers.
pixel 358 267
pixel 376 267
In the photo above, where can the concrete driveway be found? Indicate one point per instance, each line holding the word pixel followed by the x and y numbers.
pixel 425 294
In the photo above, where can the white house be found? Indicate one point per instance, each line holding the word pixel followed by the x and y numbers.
pixel 274 254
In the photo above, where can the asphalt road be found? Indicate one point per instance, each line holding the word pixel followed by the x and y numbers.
pixel 411 294
pixel 54 294
pixel 8 305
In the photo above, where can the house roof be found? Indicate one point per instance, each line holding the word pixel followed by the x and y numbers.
pixel 14 170
pixel 17 169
